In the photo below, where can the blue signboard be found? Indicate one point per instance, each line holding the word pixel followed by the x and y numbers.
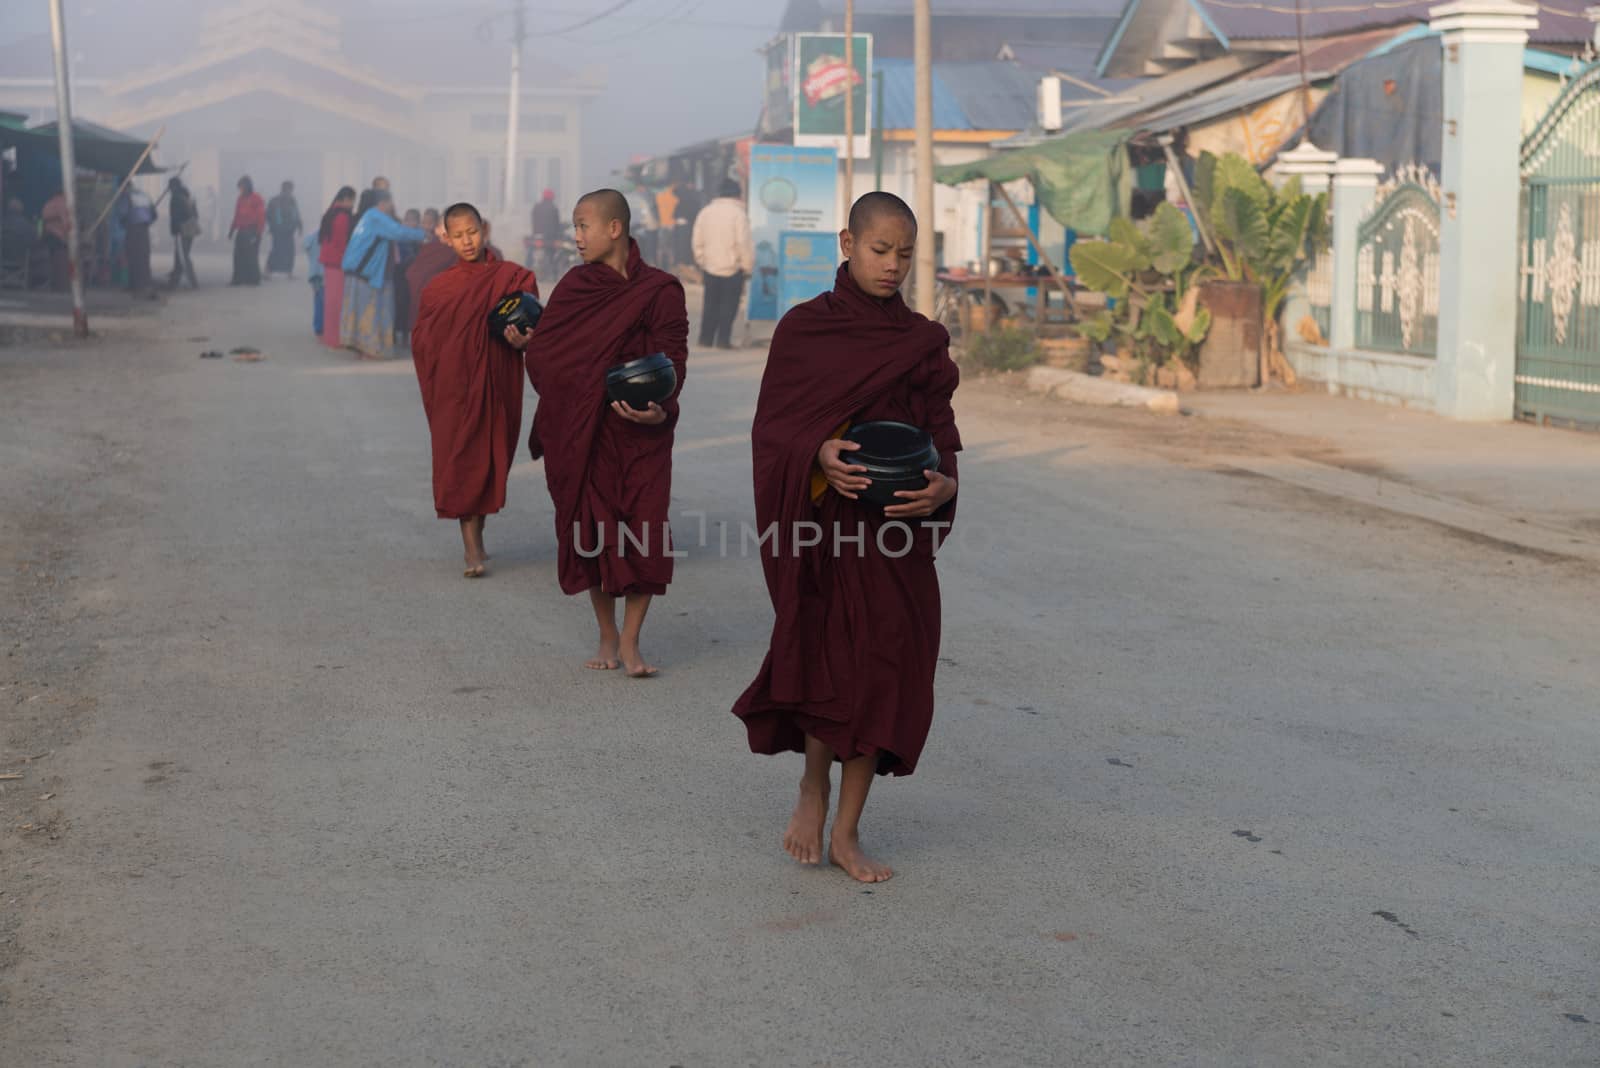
pixel 792 190
pixel 807 263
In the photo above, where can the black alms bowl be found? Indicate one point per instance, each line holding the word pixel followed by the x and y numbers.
pixel 521 310
pixel 895 455
pixel 640 382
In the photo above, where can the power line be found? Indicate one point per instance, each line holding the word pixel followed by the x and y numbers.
pixel 612 10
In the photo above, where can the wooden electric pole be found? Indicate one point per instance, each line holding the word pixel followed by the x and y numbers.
pixel 923 53
pixel 69 167
pixel 513 115
pixel 849 103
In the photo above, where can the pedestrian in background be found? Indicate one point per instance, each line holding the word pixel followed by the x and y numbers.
pixel 547 233
pixel 405 252
pixel 314 272
pixel 725 254
pixel 249 220
pixel 333 236
pixel 366 321
pixel 136 212
pixel 283 219
pixel 183 216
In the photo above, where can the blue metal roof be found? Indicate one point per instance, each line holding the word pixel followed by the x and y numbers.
pixel 966 96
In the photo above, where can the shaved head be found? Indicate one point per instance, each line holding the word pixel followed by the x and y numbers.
pixel 874 206
pixel 462 208
pixel 611 205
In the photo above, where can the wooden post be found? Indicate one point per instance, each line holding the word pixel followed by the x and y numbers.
pixel 849 103
pixel 922 37
pixel 988 248
pixel 137 164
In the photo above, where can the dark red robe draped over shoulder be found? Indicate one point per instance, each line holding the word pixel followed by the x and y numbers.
pixel 607 475
pixel 471 384
pixel 431 259
pixel 856 637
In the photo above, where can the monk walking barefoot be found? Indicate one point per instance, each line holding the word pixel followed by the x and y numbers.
pixel 855 642
pixel 608 466
pixel 471 381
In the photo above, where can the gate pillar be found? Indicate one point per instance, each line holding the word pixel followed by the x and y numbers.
pixel 1483 42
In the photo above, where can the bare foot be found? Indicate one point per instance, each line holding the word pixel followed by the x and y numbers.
pixel 475 571
pixel 605 658
pixel 634 662
pixel 802 840
pixel 845 852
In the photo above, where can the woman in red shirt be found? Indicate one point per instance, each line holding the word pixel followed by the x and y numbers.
pixel 334 236
pixel 249 220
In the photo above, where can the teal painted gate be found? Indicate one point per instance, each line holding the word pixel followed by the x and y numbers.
pixel 1558 329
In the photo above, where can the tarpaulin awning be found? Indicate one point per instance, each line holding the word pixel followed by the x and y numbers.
pixel 95 147
pixel 1080 179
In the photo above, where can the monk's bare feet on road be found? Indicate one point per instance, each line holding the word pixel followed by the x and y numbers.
pixel 633 661
pixel 605 658
pixel 845 852
pixel 802 840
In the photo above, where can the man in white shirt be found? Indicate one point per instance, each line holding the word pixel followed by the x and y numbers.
pixel 725 255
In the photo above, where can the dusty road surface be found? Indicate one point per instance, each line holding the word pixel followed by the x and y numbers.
pixel 1223 773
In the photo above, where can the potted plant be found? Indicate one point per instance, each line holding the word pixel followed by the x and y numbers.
pixel 1263 237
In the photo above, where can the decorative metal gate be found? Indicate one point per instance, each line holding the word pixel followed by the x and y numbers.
pixel 1558 329
pixel 1397 271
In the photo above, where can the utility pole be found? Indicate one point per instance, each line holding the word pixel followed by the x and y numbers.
pixel 69 166
pixel 849 103
pixel 513 108
pixel 922 48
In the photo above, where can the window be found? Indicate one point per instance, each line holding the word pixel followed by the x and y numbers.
pixel 554 171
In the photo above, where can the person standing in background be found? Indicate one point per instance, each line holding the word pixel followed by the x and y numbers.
pixel 137 212
pixel 184 221
pixel 334 235
pixel 547 232
pixel 666 219
pixel 249 220
pixel 689 204
pixel 725 254
pixel 54 221
pixel 283 219
pixel 366 320
pixel 314 272
pixel 404 253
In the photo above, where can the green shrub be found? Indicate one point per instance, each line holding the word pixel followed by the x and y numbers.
pixel 1005 349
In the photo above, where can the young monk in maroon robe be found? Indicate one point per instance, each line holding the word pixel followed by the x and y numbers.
pixel 471 381
pixel 849 676
pixel 608 466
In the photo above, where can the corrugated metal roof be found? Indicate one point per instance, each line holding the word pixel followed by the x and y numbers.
pixel 900 98
pixel 1078 58
pixel 1216 102
pixel 984 8
pixel 1559 20
pixel 966 96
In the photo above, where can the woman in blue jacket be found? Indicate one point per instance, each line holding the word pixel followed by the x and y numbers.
pixel 367 318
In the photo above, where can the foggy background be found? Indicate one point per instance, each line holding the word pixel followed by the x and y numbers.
pixel 675 71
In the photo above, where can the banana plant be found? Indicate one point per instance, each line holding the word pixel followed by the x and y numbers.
pixel 1264 235
pixel 1148 269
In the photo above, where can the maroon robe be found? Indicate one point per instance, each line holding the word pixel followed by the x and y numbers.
pixel 471 384
pixel 855 641
pixel 605 473
pixel 431 259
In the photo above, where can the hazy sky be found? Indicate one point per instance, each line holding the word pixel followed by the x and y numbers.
pixel 677 71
